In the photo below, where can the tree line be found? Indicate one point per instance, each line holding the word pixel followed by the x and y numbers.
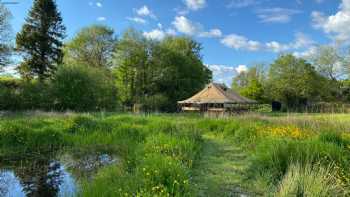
pixel 320 78
pixel 96 70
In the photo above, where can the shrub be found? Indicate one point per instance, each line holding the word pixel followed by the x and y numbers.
pixel 17 94
pixel 82 88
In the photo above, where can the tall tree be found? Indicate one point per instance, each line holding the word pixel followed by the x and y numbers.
pixel 293 81
pixel 92 46
pixel 5 37
pixel 158 72
pixel 130 61
pixel 250 83
pixel 329 62
pixel 182 70
pixel 40 40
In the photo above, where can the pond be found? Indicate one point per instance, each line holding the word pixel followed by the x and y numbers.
pixel 50 176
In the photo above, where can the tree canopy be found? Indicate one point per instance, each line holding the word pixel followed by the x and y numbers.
pixel 5 36
pixel 40 40
pixel 293 81
pixel 169 70
pixel 251 83
pixel 92 46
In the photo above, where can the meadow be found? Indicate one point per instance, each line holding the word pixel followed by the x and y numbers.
pixel 187 155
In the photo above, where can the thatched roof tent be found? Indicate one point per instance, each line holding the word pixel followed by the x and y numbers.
pixel 215 93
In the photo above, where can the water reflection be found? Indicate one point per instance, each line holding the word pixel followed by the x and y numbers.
pixel 48 177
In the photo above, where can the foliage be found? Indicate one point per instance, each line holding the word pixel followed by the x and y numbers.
pixel 251 83
pixel 92 46
pixel 16 94
pixel 40 40
pixel 82 88
pixel 78 88
pixel 309 181
pixel 293 81
pixel 329 62
pixel 5 37
pixel 169 70
pixel 165 155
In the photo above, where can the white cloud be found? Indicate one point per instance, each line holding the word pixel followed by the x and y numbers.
pixel 99 4
pixel 144 11
pixel 160 26
pixel 241 68
pixel 213 33
pixel 137 20
pixel 101 18
pixel 223 73
pixel 195 4
pixel 276 15
pixel 171 32
pixel 337 25
pixel 242 3
pixel 301 41
pixel 184 25
pixel 156 34
pixel 240 42
pixel 307 53
pixel 276 47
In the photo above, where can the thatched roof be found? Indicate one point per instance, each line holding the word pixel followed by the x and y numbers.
pixel 217 93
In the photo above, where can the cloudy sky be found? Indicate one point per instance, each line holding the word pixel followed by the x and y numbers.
pixel 234 33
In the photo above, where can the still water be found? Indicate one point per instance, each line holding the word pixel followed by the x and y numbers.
pixel 48 177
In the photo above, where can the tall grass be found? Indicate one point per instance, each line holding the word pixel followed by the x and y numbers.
pixel 157 153
pixel 309 181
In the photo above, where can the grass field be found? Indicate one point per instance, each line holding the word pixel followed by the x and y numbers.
pixel 176 155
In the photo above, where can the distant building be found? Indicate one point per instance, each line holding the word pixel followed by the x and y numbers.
pixel 217 98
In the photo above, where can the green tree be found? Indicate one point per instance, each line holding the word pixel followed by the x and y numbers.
pixel 158 73
pixel 329 62
pixel 181 69
pixel 251 83
pixel 130 61
pixel 5 37
pixel 293 81
pixel 40 40
pixel 92 46
pixel 83 88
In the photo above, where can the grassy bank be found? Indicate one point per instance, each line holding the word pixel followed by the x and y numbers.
pixel 173 155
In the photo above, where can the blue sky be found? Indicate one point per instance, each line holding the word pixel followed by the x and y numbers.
pixel 234 33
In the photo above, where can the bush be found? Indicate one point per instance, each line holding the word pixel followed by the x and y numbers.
pixel 16 94
pixel 82 88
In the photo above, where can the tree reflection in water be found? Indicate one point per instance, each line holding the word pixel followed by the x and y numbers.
pixel 39 177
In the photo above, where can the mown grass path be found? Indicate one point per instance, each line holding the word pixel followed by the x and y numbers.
pixel 219 172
